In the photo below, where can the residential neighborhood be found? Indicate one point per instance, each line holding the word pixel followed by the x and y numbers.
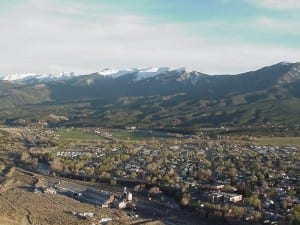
pixel 213 178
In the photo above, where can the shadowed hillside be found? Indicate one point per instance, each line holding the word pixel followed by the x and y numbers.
pixel 175 98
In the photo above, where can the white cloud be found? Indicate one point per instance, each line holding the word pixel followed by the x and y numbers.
pixel 36 40
pixel 277 4
pixel 279 25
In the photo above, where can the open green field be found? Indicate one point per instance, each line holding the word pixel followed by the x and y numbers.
pixel 127 135
pixel 118 134
pixel 278 141
pixel 139 135
pixel 78 135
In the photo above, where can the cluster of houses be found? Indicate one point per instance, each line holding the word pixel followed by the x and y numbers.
pixel 103 133
pixel 275 188
pixel 193 163
pixel 73 154
pixel 223 197
pixel 91 216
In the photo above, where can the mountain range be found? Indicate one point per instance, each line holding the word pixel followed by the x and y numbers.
pixel 153 98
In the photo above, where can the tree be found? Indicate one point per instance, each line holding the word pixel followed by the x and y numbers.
pixel 254 201
pixel 148 178
pixel 154 191
pixel 133 175
pixel 113 181
pixel 227 188
pixel 35 163
pixel 56 165
pixel 118 172
pixel 253 179
pixel 292 193
pixel 106 175
pixel 238 211
pixel 232 172
pixel 185 199
pixel 284 204
pixel 295 219
pixel 25 156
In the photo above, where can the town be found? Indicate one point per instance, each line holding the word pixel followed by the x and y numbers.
pixel 223 179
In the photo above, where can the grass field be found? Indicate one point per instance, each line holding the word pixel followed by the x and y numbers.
pixel 278 141
pixel 137 135
pixel 128 136
pixel 78 135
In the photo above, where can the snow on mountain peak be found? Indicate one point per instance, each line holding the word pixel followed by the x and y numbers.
pixel 153 69
pixel 285 63
pixel 150 72
pixel 188 75
pixel 107 72
pixel 115 73
pixel 140 73
pixel 41 77
pixel 184 70
pixel 12 77
pixel 63 74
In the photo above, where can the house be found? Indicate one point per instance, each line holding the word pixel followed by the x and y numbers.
pixel 108 201
pixel 216 187
pixel 216 196
pixel 224 197
pixel 233 197
pixel 132 128
pixel 120 204
pixel 50 190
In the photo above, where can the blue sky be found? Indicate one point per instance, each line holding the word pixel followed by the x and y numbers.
pixel 211 36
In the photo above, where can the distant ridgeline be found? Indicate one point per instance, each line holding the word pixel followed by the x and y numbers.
pixel 156 98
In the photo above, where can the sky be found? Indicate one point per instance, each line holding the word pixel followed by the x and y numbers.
pixel 210 36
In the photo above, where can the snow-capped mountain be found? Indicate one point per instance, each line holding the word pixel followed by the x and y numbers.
pixel 13 77
pixel 181 75
pixel 159 96
pixel 26 77
pixel 140 74
pixel 151 72
pixel 115 73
